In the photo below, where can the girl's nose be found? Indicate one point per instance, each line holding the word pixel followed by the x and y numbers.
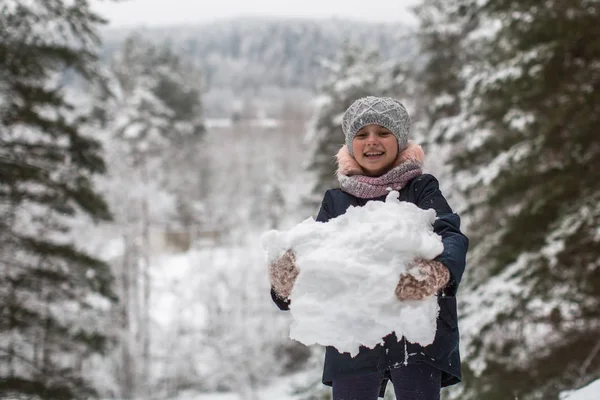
pixel 372 138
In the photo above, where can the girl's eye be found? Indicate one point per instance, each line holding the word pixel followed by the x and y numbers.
pixel 384 133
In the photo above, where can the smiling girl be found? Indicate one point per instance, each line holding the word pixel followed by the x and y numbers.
pixel 378 157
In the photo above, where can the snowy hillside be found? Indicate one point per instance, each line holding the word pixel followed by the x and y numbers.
pixel 261 58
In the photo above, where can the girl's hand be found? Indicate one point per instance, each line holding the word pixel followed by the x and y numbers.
pixel 425 278
pixel 283 273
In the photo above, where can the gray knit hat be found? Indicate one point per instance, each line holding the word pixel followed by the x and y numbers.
pixel 384 111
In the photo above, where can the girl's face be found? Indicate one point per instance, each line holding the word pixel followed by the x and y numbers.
pixel 375 149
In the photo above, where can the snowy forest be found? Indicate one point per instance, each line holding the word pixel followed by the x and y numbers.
pixel 140 167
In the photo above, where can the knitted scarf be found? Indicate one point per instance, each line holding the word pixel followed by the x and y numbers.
pixel 408 165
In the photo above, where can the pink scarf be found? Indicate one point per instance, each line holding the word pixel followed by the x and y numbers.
pixel 408 165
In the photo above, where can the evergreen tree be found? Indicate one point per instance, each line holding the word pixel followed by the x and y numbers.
pixel 526 130
pixel 440 80
pixel 156 119
pixel 153 130
pixel 54 296
pixel 444 27
pixel 354 74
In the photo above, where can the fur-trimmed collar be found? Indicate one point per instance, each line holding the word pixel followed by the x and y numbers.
pixel 348 166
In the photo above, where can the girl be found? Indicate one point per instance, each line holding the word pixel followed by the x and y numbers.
pixel 377 156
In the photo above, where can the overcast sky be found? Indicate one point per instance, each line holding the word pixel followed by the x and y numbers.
pixel 167 12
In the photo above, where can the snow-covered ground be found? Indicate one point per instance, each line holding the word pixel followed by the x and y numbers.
pixel 589 392
pixel 283 389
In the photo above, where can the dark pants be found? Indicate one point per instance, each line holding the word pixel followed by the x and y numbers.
pixel 411 382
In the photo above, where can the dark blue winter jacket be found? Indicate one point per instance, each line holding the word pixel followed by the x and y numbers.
pixel 443 353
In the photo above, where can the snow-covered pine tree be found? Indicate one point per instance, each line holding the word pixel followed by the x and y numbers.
pixel 153 132
pixel 526 131
pixel 162 92
pixel 353 74
pixel 440 80
pixel 54 296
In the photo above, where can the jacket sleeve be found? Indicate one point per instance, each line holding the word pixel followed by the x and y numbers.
pixel 324 215
pixel 447 225
pixel 326 209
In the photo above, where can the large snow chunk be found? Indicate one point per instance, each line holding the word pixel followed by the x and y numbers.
pixel 349 269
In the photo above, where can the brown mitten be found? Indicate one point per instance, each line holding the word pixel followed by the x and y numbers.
pixel 425 279
pixel 283 273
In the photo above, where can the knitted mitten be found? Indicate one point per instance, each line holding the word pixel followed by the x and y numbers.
pixel 425 279
pixel 283 273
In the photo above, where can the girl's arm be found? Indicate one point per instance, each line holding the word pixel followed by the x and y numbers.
pixel 447 225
